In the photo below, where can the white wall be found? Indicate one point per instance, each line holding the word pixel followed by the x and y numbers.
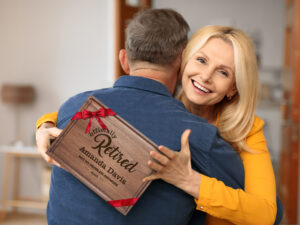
pixel 264 16
pixel 61 47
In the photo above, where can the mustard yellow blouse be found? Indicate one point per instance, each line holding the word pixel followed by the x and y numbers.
pixel 255 205
pixel 49 117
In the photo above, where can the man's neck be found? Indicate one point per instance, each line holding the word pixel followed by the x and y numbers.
pixel 166 75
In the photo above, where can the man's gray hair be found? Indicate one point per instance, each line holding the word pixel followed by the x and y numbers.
pixel 156 35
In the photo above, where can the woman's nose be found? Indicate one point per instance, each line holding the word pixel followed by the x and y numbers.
pixel 206 75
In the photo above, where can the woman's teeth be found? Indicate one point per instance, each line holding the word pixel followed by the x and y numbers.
pixel 197 85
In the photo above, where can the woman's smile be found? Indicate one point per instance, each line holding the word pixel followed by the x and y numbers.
pixel 209 76
pixel 199 88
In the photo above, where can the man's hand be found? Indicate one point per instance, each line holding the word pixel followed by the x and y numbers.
pixel 43 135
pixel 175 167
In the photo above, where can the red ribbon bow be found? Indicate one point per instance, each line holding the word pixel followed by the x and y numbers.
pixel 85 114
pixel 123 202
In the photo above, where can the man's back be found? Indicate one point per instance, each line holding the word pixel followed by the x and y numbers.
pixel 148 106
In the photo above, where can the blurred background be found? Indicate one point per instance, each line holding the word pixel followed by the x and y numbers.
pixel 51 50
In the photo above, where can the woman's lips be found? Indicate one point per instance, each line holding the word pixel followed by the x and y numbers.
pixel 200 87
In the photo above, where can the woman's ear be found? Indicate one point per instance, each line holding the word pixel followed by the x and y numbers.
pixel 124 61
pixel 231 93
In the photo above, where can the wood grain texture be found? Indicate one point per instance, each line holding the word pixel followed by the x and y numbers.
pixel 110 162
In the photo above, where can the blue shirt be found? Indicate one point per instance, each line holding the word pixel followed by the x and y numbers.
pixel 148 106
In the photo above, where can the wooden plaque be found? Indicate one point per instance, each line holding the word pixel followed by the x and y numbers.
pixel 112 162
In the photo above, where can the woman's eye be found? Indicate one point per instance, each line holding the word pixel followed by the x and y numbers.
pixel 201 60
pixel 224 73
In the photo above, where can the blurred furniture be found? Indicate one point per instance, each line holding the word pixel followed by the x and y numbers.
pixel 16 96
pixel 124 10
pixel 289 164
pixel 11 177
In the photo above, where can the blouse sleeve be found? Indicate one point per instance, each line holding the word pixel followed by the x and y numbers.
pixel 49 117
pixel 255 205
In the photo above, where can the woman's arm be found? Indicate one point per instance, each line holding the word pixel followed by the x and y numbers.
pixel 47 118
pixel 255 205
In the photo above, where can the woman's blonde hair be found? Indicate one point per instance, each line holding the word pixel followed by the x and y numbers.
pixel 236 116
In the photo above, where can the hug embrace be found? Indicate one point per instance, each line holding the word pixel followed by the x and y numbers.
pixel 213 166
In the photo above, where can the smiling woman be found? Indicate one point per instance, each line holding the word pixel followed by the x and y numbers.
pixel 209 77
pixel 220 84
pixel 222 60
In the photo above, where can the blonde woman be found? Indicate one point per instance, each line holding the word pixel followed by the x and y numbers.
pixel 220 82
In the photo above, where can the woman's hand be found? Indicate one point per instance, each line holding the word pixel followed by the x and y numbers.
pixel 175 167
pixel 43 135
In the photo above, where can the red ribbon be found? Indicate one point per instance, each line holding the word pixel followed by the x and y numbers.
pixel 85 114
pixel 123 202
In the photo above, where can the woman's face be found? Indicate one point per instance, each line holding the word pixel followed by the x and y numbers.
pixel 209 74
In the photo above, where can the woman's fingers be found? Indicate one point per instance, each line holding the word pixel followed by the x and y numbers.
pixel 51 161
pixel 54 131
pixel 155 166
pixel 159 157
pixel 43 136
pixel 151 177
pixel 185 147
pixel 166 151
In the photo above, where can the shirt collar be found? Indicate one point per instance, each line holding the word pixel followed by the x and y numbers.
pixel 142 83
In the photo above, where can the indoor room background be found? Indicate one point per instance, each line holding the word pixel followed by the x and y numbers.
pixel 63 47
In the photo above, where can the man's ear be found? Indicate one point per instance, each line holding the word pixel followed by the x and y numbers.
pixel 180 61
pixel 182 53
pixel 124 61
